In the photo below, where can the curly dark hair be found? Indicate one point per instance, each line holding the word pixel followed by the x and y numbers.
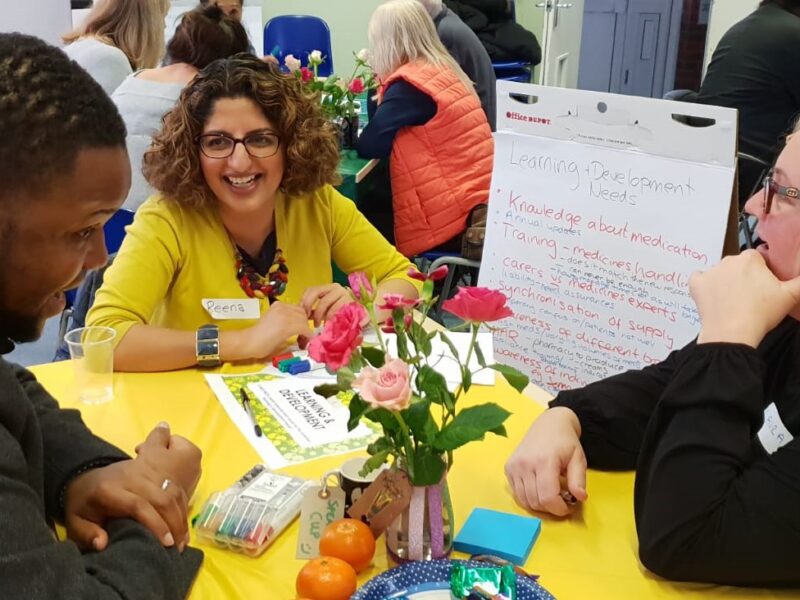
pixel 50 110
pixel 308 140
pixel 204 35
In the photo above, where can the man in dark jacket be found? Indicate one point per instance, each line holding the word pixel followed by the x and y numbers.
pixel 462 43
pixel 493 21
pixel 756 69
pixel 64 170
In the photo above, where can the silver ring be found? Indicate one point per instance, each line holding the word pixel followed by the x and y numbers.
pixel 165 485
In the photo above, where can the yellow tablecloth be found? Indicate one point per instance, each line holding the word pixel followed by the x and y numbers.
pixel 590 556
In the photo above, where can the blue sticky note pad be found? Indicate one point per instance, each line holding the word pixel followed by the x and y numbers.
pixel 501 534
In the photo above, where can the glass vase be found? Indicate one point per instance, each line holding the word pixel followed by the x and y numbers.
pixel 348 132
pixel 424 530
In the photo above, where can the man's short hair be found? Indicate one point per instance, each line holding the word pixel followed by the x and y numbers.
pixel 50 110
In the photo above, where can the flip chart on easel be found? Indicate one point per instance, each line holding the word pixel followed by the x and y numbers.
pixel 601 208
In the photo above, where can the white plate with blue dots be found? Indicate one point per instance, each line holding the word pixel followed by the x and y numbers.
pixel 430 580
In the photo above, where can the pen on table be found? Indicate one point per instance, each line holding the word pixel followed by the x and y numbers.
pixel 248 409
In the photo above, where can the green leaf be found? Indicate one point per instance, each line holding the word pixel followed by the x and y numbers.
pixel 373 462
pixel 432 384
pixel 374 356
pixel 344 378
pixel 326 390
pixel 429 466
pixel 427 290
pixel 383 417
pixel 420 422
pixel 450 344
pixel 469 425
pixel 499 431
pixel 420 338
pixel 517 380
pixel 357 409
pixel 379 445
pixel 479 355
pixel 466 378
pixel 356 362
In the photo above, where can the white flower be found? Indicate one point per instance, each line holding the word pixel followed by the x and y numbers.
pixel 341 84
pixel 363 55
pixel 315 57
pixel 292 63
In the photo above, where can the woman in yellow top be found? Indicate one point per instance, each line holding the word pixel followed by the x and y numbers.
pixel 233 258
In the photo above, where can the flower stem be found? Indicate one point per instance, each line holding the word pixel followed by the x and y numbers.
pixel 407 443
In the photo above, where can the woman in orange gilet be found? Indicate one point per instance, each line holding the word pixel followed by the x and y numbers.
pixel 430 123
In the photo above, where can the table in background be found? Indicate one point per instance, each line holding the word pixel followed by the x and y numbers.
pixel 590 556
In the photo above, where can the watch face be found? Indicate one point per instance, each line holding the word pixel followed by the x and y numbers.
pixel 208 332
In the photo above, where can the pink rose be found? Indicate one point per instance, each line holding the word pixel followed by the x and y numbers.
pixel 340 337
pixel 292 63
pixel 305 74
pixel 392 301
pixel 387 387
pixel 435 275
pixel 478 305
pixel 360 285
pixel 356 86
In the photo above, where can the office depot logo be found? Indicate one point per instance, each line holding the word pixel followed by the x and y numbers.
pixel 515 116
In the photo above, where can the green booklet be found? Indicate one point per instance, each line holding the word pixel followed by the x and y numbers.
pixel 297 424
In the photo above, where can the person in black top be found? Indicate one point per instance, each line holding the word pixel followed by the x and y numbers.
pixel 713 431
pixel 756 70
pixel 64 171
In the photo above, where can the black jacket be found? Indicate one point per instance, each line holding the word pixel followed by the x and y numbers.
pixel 41 448
pixel 503 38
pixel 710 503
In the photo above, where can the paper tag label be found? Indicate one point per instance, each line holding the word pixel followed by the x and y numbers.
pixel 225 309
pixel 773 434
pixel 383 501
pixel 317 511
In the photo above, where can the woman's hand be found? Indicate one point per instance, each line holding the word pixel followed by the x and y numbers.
pixel 550 449
pixel 322 301
pixel 740 300
pixel 273 330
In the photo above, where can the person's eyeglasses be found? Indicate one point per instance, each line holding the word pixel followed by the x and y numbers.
pixel 219 145
pixel 771 188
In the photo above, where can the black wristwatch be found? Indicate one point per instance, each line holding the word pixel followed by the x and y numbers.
pixel 207 346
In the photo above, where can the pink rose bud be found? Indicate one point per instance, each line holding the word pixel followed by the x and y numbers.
pixel 478 305
pixel 438 273
pixel 388 387
pixel 360 285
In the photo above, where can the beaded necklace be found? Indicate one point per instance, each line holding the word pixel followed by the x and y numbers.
pixel 256 285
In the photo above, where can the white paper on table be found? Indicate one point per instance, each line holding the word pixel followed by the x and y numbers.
pixel 309 418
pixel 444 362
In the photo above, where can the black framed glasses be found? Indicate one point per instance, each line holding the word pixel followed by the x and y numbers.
pixel 771 188
pixel 262 144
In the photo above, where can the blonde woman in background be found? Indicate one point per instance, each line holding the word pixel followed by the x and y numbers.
pixel 430 123
pixel 117 38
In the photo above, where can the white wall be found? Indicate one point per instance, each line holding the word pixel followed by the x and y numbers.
pixel 46 19
pixel 724 14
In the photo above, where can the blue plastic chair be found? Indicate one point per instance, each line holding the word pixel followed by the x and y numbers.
pixel 513 70
pixel 114 232
pixel 298 35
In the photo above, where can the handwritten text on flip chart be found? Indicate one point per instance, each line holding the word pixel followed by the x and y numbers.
pixel 594 247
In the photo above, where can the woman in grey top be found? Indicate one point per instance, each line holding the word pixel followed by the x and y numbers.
pixel 118 37
pixel 203 35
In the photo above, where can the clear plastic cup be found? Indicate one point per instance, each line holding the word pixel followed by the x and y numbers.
pixel 92 352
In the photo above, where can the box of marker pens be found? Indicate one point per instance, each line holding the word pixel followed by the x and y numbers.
pixel 248 516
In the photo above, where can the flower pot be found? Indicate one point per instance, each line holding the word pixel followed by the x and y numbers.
pixel 348 132
pixel 424 530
